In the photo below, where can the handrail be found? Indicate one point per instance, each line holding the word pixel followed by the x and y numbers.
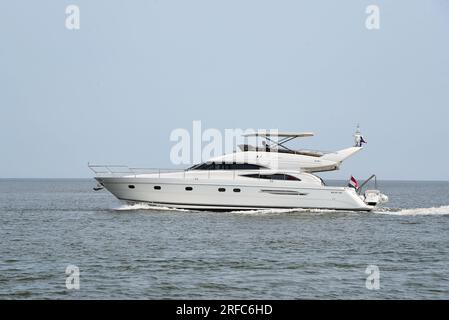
pixel 120 170
pixel 359 189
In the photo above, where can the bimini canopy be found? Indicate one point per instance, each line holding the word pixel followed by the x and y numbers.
pixel 278 139
pixel 280 134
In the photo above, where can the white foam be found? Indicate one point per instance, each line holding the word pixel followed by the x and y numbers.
pixel 443 210
pixel 145 206
pixel 281 211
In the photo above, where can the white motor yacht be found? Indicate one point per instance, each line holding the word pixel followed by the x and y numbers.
pixel 271 176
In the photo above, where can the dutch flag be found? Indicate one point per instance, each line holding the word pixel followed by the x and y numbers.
pixel 353 183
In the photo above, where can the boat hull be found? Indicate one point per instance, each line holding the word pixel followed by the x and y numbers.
pixel 223 195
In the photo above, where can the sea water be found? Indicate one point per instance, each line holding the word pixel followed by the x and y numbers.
pixel 138 251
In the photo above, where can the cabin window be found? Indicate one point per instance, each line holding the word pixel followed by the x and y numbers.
pixel 236 190
pixel 276 176
pixel 221 189
pixel 157 187
pixel 131 186
pixel 189 188
pixel 226 166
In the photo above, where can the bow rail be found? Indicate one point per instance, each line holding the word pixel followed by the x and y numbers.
pixel 120 170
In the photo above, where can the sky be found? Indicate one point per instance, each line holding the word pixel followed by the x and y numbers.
pixel 114 90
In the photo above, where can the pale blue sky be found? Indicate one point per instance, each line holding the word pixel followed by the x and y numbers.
pixel 114 90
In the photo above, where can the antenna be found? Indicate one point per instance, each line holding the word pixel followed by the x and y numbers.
pixel 358 138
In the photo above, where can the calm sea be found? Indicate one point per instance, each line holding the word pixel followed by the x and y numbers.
pixel 138 252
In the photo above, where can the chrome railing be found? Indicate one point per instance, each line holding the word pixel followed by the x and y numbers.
pixel 122 170
pixel 373 176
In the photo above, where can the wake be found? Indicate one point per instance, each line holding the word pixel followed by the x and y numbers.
pixel 283 211
pixel 145 206
pixel 442 210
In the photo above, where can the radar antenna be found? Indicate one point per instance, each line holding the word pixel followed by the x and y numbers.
pixel 358 138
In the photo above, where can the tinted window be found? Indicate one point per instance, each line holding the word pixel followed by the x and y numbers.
pixel 189 188
pixel 221 189
pixel 157 188
pixel 131 186
pixel 226 166
pixel 236 190
pixel 276 176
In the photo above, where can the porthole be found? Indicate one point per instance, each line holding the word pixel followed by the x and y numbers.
pixel 157 187
pixel 236 190
pixel 131 186
pixel 221 189
pixel 189 188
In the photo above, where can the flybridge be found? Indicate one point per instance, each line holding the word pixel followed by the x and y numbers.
pixel 275 154
pixel 273 145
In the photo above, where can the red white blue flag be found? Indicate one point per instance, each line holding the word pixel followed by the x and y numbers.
pixel 353 183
